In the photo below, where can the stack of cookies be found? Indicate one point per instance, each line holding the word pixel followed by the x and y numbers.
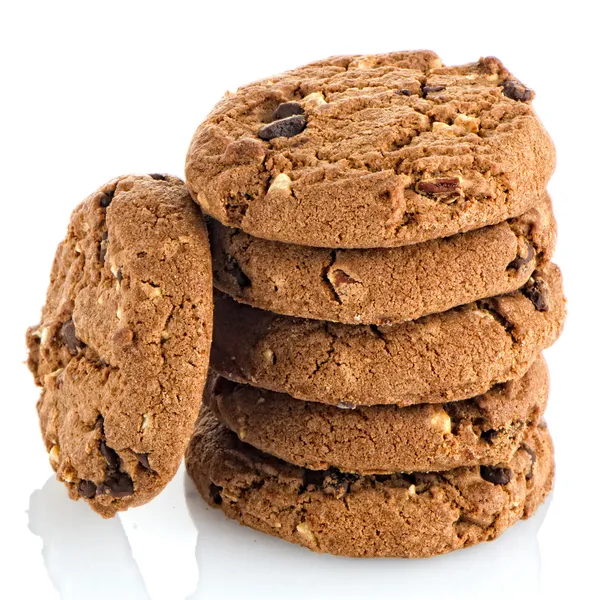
pixel 381 237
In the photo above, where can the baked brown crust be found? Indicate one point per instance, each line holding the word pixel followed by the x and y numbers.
pixel 487 429
pixel 122 347
pixel 407 516
pixel 372 151
pixel 382 285
pixel 439 358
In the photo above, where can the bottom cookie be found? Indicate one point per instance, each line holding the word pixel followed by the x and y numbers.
pixel 408 516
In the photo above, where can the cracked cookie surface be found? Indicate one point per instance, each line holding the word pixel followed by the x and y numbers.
pixel 371 151
pixel 382 285
pixel 487 429
pixel 399 515
pixel 121 351
pixel 439 358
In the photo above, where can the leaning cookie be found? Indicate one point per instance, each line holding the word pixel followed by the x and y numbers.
pixel 122 348
pixel 382 285
pixel 439 358
pixel 398 515
pixel 487 429
pixel 371 151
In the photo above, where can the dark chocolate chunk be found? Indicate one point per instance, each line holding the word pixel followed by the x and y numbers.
pixel 288 127
pixel 69 337
pixel 336 483
pixel 287 109
pixel 516 91
pixel 143 460
pixel 496 475
pixel 428 89
pixel 86 489
pixel 537 290
pixel 533 457
pixel 214 492
pixel 158 176
pixel 339 277
pixel 444 186
pixel 118 485
pixel 519 261
pixel 111 457
pixel 403 92
pixel 107 198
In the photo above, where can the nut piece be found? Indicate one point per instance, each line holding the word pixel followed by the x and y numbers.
pixel 305 531
pixel 281 182
pixel 441 421
pixel 54 455
pixel 466 123
pixel 315 99
pixel 442 188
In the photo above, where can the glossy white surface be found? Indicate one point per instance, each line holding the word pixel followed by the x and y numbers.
pixel 93 90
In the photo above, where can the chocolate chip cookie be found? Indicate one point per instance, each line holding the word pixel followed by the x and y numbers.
pixel 487 429
pixel 439 358
pixel 400 515
pixel 122 348
pixel 372 151
pixel 382 285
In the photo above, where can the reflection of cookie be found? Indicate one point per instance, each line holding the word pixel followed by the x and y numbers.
pixel 443 357
pixel 371 151
pixel 379 515
pixel 487 429
pixel 384 284
pixel 122 348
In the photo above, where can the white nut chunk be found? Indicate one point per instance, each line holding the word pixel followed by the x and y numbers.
pixel 315 99
pixel 281 182
pixel 305 531
pixel 441 421
pixel 54 455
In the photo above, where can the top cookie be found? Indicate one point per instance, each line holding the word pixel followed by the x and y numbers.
pixel 122 348
pixel 371 151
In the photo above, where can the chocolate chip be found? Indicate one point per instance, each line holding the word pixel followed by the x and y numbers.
pixel 119 275
pixel 288 127
pixel 403 92
pixel 107 198
pixel 336 483
pixel 158 176
pixel 533 457
pixel 489 435
pixel 69 337
pixel 516 91
pixel 111 457
pixel 86 489
pixel 444 186
pixel 214 492
pixel 496 475
pixel 518 262
pixel 118 485
pixel 339 277
pixel 233 268
pixel 287 109
pixel 537 290
pixel 428 89
pixel 143 460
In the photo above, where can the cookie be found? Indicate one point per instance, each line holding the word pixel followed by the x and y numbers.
pixel 439 358
pixel 382 285
pixel 487 429
pixel 121 352
pixel 371 151
pixel 399 515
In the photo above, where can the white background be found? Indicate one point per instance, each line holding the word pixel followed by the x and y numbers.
pixel 91 90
